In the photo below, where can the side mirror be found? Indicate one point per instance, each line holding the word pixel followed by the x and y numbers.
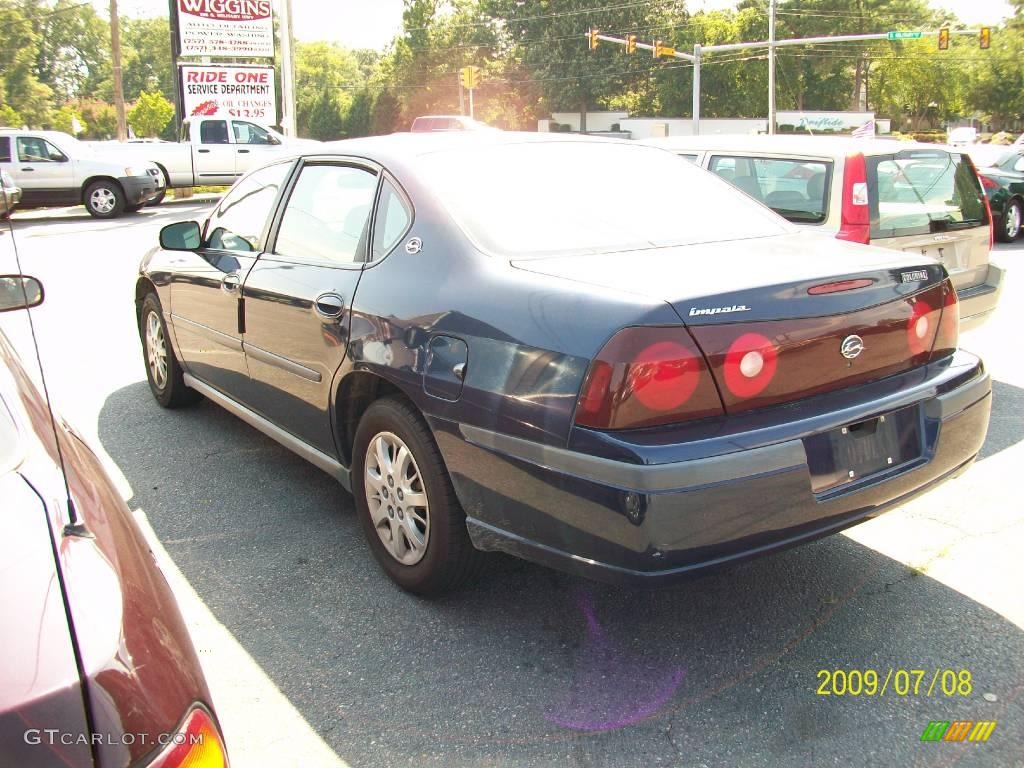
pixel 19 292
pixel 181 236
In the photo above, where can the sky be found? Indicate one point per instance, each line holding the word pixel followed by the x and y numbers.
pixel 373 23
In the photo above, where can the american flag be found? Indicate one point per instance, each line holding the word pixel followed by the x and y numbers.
pixel 866 131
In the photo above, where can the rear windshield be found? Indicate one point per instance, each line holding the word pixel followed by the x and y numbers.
pixel 918 192
pixel 792 187
pixel 547 198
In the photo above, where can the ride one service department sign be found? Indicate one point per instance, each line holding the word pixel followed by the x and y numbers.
pixel 245 92
pixel 226 28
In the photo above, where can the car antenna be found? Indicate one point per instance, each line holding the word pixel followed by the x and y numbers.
pixel 75 526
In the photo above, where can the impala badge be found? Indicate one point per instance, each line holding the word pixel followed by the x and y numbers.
pixel 851 346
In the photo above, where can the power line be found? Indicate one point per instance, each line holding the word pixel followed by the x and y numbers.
pixel 559 14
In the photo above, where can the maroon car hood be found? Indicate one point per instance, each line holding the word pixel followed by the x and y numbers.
pixel 40 686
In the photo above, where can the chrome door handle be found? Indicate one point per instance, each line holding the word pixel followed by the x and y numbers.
pixel 243 151
pixel 329 305
pixel 230 282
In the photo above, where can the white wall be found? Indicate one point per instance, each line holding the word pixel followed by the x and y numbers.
pixel 651 127
pixel 596 121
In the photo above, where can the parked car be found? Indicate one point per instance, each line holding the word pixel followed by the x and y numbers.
pixel 917 198
pixel 97 665
pixel 632 387
pixel 212 150
pixel 428 123
pixel 54 169
pixel 11 195
pixel 1001 170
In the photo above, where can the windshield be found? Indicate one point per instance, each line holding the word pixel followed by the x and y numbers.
pixel 532 199
pixel 919 192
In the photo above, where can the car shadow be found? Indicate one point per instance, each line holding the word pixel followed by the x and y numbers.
pixel 533 667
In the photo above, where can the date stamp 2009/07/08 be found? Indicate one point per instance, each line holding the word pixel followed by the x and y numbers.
pixel 894 682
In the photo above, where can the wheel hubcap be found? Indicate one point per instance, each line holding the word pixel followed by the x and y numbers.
pixel 156 350
pixel 102 200
pixel 397 499
pixel 1012 220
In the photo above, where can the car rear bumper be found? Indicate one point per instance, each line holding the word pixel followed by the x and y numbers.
pixel 739 494
pixel 979 301
pixel 138 189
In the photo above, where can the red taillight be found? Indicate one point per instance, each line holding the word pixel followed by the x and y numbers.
pixel 750 365
pixel 991 223
pixel 855 225
pixel 922 326
pixel 647 377
pixel 948 337
pixel 988 183
pixel 197 744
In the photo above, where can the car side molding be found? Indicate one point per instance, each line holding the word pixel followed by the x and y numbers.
pixel 274 432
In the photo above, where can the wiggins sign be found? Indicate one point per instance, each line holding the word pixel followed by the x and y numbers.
pixel 226 28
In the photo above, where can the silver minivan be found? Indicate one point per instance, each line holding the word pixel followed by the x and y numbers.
pixel 921 198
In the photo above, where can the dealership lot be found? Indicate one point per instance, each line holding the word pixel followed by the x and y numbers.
pixel 310 650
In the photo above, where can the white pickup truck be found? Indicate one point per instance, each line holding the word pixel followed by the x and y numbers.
pixel 54 168
pixel 212 150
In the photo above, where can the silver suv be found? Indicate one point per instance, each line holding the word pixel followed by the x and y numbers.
pixel 919 198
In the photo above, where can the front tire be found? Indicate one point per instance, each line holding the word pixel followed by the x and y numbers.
pixel 165 376
pixel 406 504
pixel 104 199
pixel 158 199
pixel 1010 229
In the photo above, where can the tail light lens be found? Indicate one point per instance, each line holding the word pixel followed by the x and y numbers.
pixel 991 223
pixel 922 326
pixel 855 225
pixel 197 744
pixel 647 376
pixel 948 337
pixel 988 184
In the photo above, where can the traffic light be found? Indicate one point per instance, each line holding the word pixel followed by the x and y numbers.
pixel 944 39
pixel 663 50
pixel 469 77
pixel 985 37
pixel 592 35
pixel 630 43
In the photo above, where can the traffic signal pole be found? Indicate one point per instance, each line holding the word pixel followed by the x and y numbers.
pixel 699 51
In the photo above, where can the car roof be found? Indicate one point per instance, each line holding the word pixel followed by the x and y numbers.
pixel 403 147
pixel 34 132
pixel 836 146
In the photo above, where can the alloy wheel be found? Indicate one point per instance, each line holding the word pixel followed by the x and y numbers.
pixel 1012 223
pixel 102 200
pixel 156 350
pixel 397 498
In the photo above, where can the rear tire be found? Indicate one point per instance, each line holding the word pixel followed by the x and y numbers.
pixel 1010 228
pixel 104 199
pixel 406 504
pixel 132 208
pixel 165 376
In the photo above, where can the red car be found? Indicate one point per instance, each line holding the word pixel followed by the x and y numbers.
pixel 97 667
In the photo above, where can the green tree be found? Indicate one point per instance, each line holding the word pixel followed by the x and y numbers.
pixel 319 68
pixel 146 58
pixel 9 117
pixel 387 113
pixel 74 47
pixel 150 114
pixel 65 119
pixel 23 91
pixel 325 121
pixel 100 119
pixel 359 120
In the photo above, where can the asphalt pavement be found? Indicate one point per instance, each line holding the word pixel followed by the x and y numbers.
pixel 315 658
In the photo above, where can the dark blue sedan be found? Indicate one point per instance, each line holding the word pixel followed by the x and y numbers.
pixel 587 353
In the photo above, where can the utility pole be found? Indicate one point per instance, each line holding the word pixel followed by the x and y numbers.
pixel 696 89
pixel 287 69
pixel 179 96
pixel 771 67
pixel 462 98
pixel 115 51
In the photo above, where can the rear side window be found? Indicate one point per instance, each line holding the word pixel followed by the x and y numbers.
pixel 214 132
pixel 5 149
pixel 920 192
pixel 327 216
pixel 795 188
pixel 393 219
pixel 238 222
